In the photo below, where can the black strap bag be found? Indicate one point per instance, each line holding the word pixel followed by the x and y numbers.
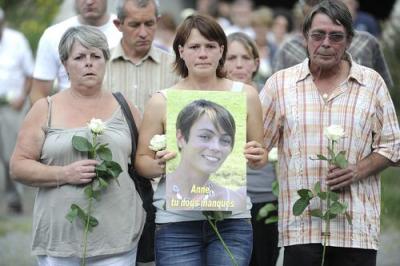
pixel 145 250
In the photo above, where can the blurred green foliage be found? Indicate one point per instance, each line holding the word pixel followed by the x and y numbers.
pixel 393 59
pixel 31 17
pixel 390 208
pixel 392 56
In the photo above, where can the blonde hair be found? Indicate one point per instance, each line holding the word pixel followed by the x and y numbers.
pixel 263 16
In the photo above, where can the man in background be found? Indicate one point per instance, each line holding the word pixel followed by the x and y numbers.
pixel 362 21
pixel 48 67
pixel 364 49
pixel 137 68
pixel 16 67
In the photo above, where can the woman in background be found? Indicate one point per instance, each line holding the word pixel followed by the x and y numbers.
pixel 242 61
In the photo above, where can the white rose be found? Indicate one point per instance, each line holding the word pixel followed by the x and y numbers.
pixel 158 143
pixel 334 132
pixel 96 126
pixel 273 155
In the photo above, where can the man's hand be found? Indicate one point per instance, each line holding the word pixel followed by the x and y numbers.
pixel 369 166
pixel 339 178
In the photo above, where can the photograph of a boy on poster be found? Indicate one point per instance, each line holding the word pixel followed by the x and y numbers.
pixel 205 138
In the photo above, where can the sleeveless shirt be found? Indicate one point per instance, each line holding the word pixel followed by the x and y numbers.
pixel 119 210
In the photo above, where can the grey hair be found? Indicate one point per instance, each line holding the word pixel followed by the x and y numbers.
pixel 139 3
pixel 87 36
pixel 337 11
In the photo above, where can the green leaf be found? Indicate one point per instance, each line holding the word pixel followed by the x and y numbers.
pixel 103 183
pixel 81 213
pixel 334 196
pixel 316 213
pixel 101 167
pixel 300 205
pixel 92 223
pixel 113 168
pixel 305 193
pixel 275 188
pixel 265 210
pixel 321 157
pixel 72 214
pixel 317 187
pixel 337 208
pixel 81 144
pixel 271 220
pixel 96 194
pixel 349 218
pixel 328 216
pixel 88 192
pixel 322 195
pixel 84 217
pixel 104 153
pixel 340 160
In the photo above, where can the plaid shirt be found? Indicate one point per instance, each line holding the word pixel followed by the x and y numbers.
pixel 295 116
pixel 364 49
pixel 139 81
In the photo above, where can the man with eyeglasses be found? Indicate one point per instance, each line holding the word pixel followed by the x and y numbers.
pixel 329 88
pixel 364 49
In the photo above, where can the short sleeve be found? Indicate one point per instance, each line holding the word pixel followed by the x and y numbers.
pixel 47 60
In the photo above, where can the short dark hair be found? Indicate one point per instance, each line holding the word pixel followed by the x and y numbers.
pixel 219 116
pixel 337 11
pixel 210 29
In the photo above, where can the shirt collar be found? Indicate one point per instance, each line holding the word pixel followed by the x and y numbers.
pixel 355 70
pixel 118 53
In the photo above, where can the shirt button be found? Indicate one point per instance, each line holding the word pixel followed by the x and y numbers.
pixel 325 96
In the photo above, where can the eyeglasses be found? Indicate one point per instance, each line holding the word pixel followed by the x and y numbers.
pixel 333 37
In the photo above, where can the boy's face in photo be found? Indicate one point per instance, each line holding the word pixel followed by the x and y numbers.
pixel 207 147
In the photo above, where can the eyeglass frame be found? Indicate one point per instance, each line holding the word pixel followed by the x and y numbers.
pixel 320 36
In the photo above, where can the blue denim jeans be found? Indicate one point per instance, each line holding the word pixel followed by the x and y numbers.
pixel 195 243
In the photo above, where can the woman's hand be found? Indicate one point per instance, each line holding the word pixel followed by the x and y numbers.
pixel 255 154
pixel 163 156
pixel 78 173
